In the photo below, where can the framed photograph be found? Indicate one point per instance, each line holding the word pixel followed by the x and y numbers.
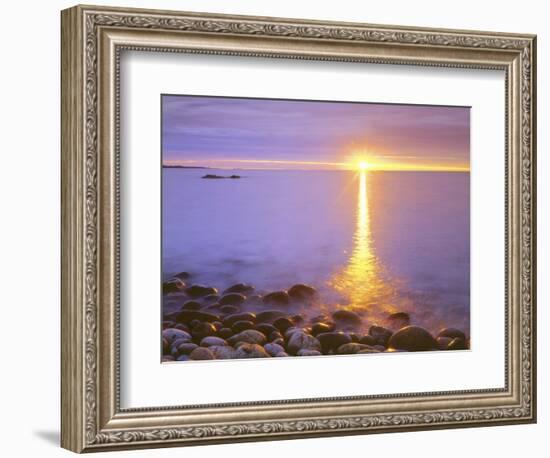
pixel 278 228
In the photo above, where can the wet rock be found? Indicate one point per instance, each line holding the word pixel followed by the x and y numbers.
pixel 399 320
pixel 195 291
pixel 277 297
pixel 202 330
pixel 367 340
pixel 183 275
pixel 297 319
pixel 269 316
pixel 457 344
pixel 318 328
pixel 283 323
pixel 173 286
pixel 275 335
pixel 233 318
pixel 210 341
pixel 254 299
pixel 225 333
pixel 347 317
pixel 302 341
pixel 171 334
pixel 443 342
pixel 273 348
pixel 232 299
pixel 291 331
pixel 412 338
pixel 266 329
pixel 184 348
pixel 241 325
pixel 217 324
pixel 201 353
pixel 352 348
pixel 229 309
pixel 191 305
pixel 302 292
pixel 452 333
pixel 250 336
pixel 307 352
pixel 382 335
pixel 241 288
pixel 222 351
pixel 281 354
pixel 250 350
pixel 183 358
pixel 186 316
pixel 330 341
pixel 211 298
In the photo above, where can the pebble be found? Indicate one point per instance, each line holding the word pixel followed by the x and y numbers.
pixel 302 341
pixel 210 341
pixel 173 286
pixel 268 316
pixel 241 325
pixel 281 354
pixel 412 338
pixel 273 348
pixel 184 348
pixel 250 350
pixel 346 316
pixel 210 298
pixel 250 336
pixel 382 335
pixel 222 351
pixel 232 299
pixel 225 333
pixel 202 330
pixel 332 340
pixel 186 316
pixel 319 327
pixel 352 348
pixel 443 342
pixel 266 329
pixel 367 340
pixel 231 319
pixel 399 320
pixel 201 353
pixel 171 334
pixel 302 292
pixel 239 288
pixel 277 297
pixel 195 291
pixel 191 305
pixel 283 323
pixel 229 309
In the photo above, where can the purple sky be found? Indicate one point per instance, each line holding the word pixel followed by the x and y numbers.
pixel 243 133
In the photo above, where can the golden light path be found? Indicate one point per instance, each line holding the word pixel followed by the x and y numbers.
pixel 362 280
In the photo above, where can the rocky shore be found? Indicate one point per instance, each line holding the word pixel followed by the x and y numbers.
pixel 201 323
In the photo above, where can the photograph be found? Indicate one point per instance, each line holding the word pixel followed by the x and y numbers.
pixel 310 228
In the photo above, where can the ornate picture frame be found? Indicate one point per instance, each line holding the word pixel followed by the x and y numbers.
pixel 92 41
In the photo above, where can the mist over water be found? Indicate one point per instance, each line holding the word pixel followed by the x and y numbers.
pixel 374 242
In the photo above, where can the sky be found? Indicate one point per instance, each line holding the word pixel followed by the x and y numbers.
pixel 241 133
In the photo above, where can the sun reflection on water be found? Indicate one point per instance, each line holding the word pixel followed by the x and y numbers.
pixel 362 281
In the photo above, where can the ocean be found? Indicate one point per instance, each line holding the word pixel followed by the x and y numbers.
pixel 375 242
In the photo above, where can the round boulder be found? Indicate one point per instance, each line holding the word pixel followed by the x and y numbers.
pixel 171 334
pixel 412 338
pixel 346 317
pixel 250 350
pixel 308 352
pixel 232 299
pixel 302 341
pixel 250 336
pixel 277 297
pixel 195 291
pixel 191 305
pixel 241 288
pixel 173 286
pixel 330 341
pixel 210 341
pixel 273 348
pixel 201 353
pixel 301 292
pixel 382 335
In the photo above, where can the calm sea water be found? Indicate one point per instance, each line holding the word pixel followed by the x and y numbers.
pixel 375 242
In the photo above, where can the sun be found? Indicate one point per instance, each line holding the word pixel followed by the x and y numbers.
pixel 363 165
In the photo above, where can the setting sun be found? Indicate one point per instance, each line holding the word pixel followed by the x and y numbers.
pixel 363 165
